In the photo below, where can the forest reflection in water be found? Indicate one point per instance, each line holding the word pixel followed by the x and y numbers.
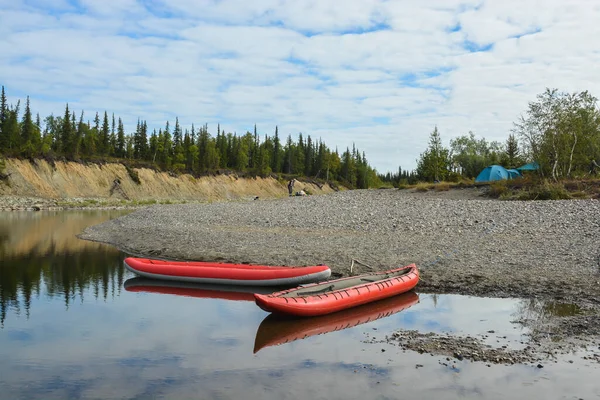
pixel 41 255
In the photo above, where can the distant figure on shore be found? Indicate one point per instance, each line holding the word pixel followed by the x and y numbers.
pixel 594 167
pixel 291 187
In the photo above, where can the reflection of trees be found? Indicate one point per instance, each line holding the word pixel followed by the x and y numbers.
pixel 22 234
pixel 3 236
pixel 42 249
pixel 540 310
pixel 66 274
pixel 535 313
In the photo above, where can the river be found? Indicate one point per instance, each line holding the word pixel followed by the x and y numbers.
pixel 74 324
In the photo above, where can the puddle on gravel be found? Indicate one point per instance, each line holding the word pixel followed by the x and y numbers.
pixel 497 323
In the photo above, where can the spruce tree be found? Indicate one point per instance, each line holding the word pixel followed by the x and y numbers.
pixel 83 132
pixel 276 158
pixel 434 163
pixel 66 134
pixel 153 145
pixel 105 136
pixel 27 132
pixel 3 121
pixel 12 129
pixel 308 157
pixel 167 156
pixel 186 150
pixel 253 151
pixel 177 133
pixel 85 138
pixel 145 140
pixel 178 156
pixel 512 152
pixel 113 138
pixel 3 106
pixel 120 150
pixel 203 139
pixel 288 161
pixel 74 145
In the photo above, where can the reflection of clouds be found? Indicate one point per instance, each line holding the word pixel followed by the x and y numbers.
pixel 147 345
pixel 460 315
pixel 19 335
pixel 164 377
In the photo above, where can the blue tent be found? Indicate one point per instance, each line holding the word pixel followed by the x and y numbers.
pixel 529 167
pixel 514 173
pixel 492 173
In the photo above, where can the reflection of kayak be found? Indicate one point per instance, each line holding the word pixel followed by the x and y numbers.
pixel 226 273
pixel 340 294
pixel 275 330
pixel 189 289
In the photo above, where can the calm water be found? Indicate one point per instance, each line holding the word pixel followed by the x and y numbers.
pixel 75 325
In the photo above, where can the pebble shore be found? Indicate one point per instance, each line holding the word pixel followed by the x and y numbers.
pixel 472 246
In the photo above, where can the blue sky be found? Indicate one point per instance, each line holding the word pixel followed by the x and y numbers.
pixel 380 74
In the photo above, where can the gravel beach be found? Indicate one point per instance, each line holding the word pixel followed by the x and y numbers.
pixel 480 247
pixel 461 242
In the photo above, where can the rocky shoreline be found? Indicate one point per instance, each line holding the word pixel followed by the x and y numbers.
pixel 24 203
pixel 18 203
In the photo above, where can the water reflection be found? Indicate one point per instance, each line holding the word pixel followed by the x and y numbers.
pixel 188 289
pixel 86 337
pixel 541 310
pixel 24 234
pixel 42 250
pixel 275 330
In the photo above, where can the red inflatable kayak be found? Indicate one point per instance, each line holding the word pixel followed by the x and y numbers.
pixel 197 290
pixel 275 330
pixel 228 274
pixel 340 294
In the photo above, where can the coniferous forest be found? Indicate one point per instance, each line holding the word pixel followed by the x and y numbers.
pixel 73 136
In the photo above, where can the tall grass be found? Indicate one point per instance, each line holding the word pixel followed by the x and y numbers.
pixel 442 187
pixel 423 187
pixel 546 191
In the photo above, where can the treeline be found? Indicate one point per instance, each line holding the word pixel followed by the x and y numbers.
pixel 466 157
pixel 176 149
pixel 558 131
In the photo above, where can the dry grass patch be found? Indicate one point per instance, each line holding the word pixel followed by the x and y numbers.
pixel 442 187
pixel 422 187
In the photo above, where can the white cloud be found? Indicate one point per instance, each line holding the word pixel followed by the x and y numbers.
pixel 380 74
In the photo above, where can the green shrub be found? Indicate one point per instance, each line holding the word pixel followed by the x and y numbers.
pixel 133 174
pixel 178 168
pixel 546 191
pixel 498 189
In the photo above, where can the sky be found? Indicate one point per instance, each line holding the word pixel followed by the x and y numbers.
pixel 380 74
